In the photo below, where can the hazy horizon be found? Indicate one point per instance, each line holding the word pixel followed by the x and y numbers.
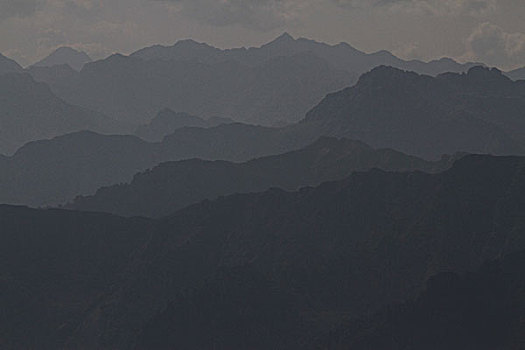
pixel 488 31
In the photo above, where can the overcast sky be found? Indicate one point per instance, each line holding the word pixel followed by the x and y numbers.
pixel 491 31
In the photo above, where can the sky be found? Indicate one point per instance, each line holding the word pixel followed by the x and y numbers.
pixel 488 31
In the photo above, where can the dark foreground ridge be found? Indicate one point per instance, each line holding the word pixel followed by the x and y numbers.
pixel 265 270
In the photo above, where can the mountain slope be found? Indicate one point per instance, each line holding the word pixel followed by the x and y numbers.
pixel 342 56
pixel 482 310
pixel 55 265
pixel 130 89
pixel 30 111
pixel 276 269
pixel 264 270
pixel 167 121
pixel 174 185
pixel 477 112
pixel 65 55
pixel 52 172
pixel 516 74
pixel 9 66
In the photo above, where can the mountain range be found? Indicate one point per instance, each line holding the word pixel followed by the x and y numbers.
pixel 52 172
pixel 30 111
pixel 341 56
pixel 476 112
pixel 174 185
pixel 264 270
pixel 274 84
pixel 280 90
pixel 480 111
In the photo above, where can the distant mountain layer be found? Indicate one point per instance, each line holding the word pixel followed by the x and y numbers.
pixel 278 91
pixel 167 121
pixel 65 55
pixel 477 112
pixel 9 66
pixel 51 172
pixel 481 111
pixel 341 56
pixel 274 84
pixel 30 111
pixel 275 269
pixel 174 185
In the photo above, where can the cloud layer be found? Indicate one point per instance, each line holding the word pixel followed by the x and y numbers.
pixel 489 43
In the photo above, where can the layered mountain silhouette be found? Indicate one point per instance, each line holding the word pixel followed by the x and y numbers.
pixel 52 172
pixel 341 56
pixel 477 112
pixel 65 55
pixel 267 270
pixel 7 65
pixel 30 111
pixel 167 121
pixel 274 84
pixel 174 185
pixel 279 90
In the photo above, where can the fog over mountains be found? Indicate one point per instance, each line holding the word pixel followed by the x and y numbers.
pixel 296 195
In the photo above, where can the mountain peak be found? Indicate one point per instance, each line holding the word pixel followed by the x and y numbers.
pixel 481 73
pixel 382 74
pixel 282 39
pixel 65 55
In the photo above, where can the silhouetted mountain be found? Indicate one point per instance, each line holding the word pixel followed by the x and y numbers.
pixel 30 111
pixel 167 121
pixel 276 269
pixel 65 55
pixel 477 112
pixel 341 56
pixel 174 185
pixel 280 90
pixel 274 84
pixel 481 310
pixel 51 172
pixel 7 65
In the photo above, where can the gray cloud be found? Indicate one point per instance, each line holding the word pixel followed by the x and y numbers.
pixel 491 44
pixel 17 8
pixel 425 29
pixel 431 7
pixel 258 14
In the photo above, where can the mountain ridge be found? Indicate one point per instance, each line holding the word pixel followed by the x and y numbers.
pixel 64 55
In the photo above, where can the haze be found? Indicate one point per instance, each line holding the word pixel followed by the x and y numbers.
pixel 489 31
